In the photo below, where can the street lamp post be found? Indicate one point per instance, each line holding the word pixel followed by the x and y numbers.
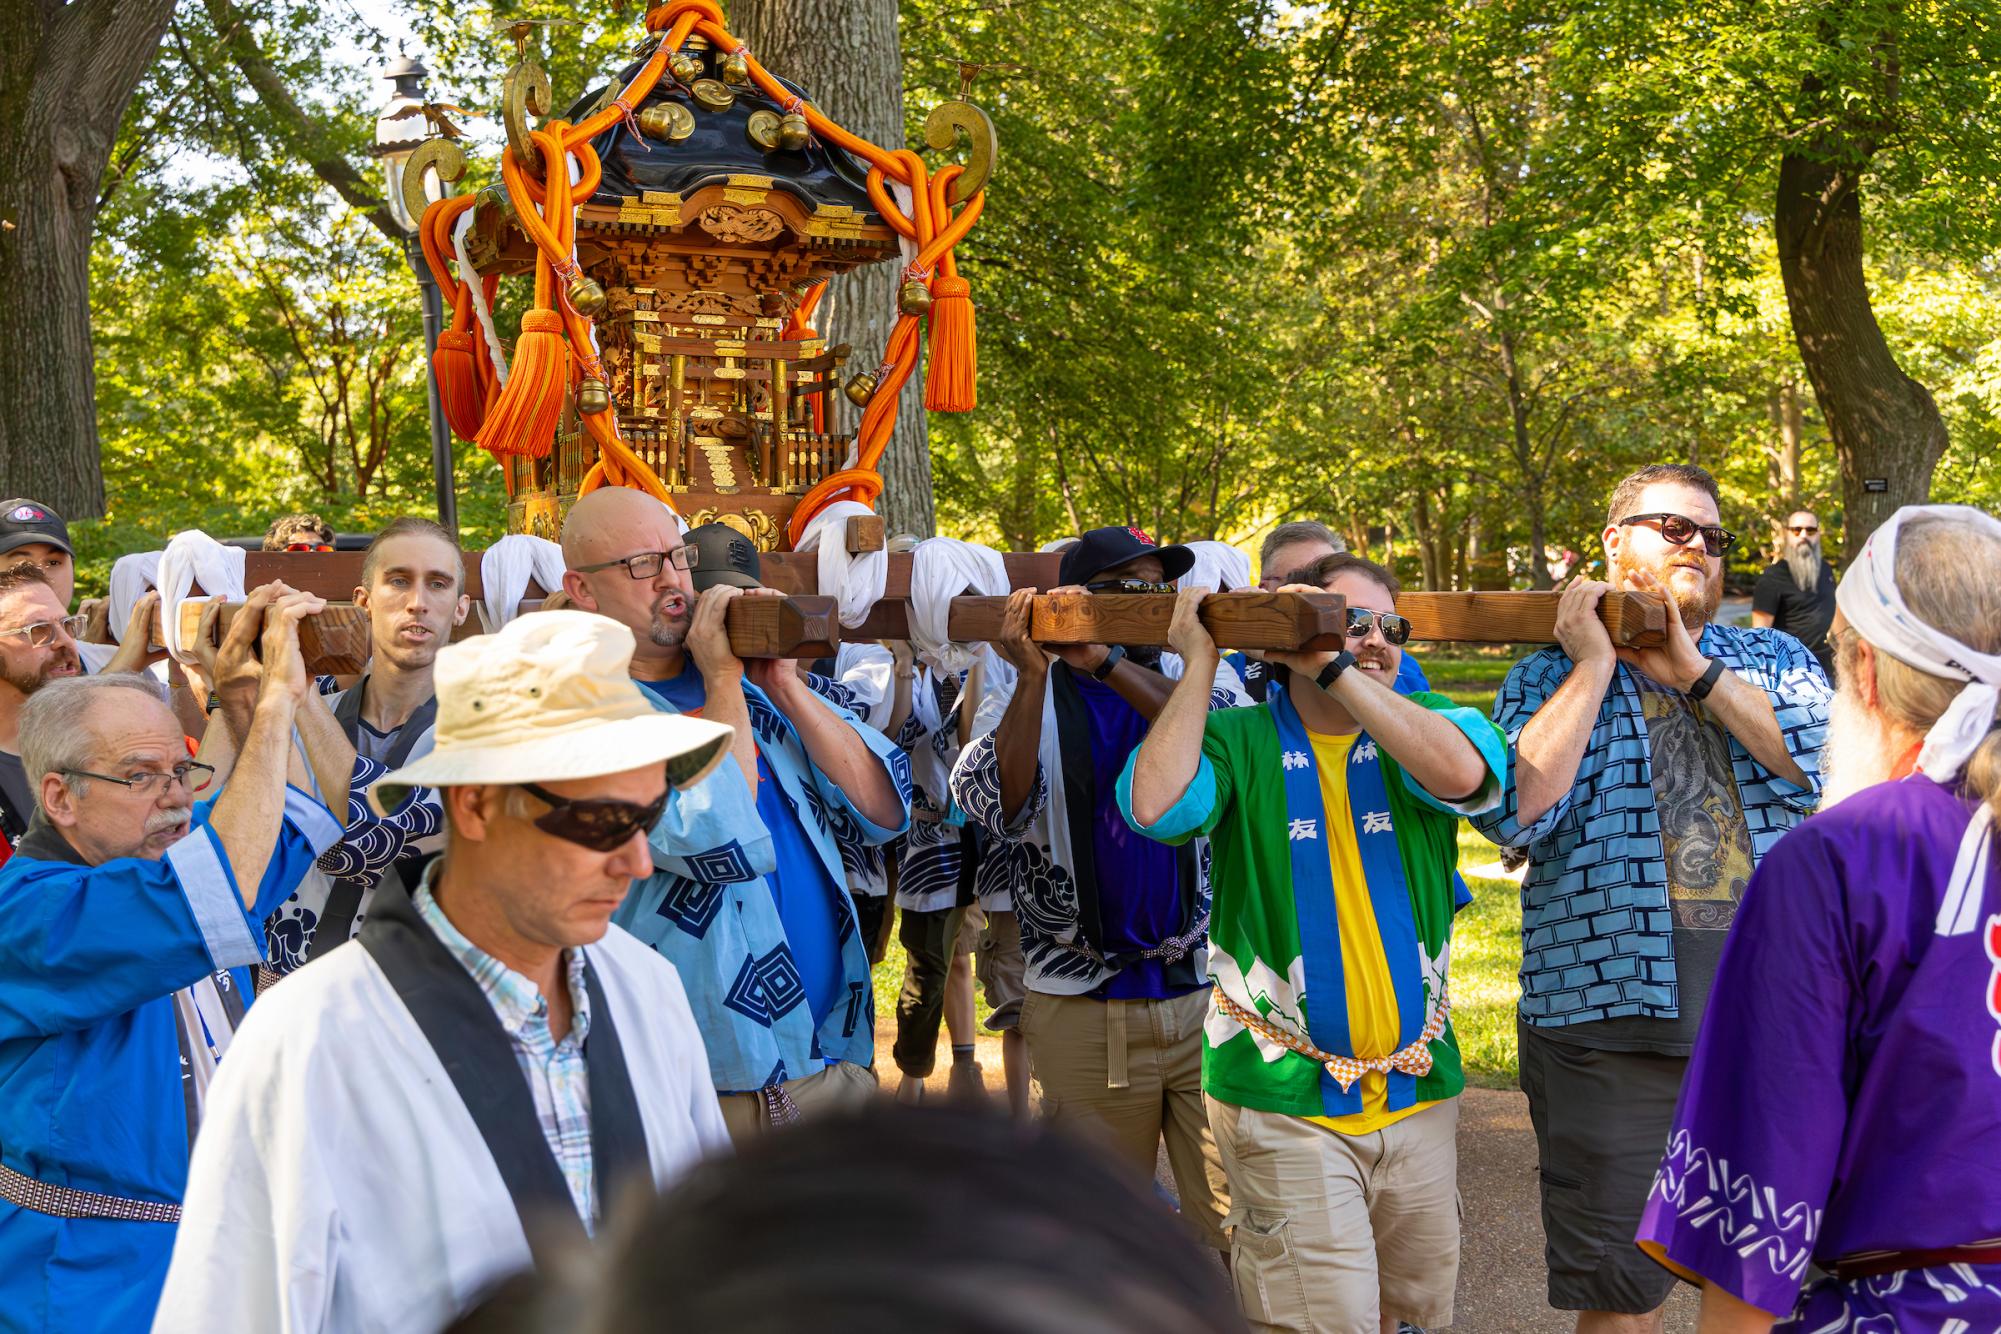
pixel 401 127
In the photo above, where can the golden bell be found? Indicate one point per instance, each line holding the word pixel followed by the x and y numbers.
pixel 712 96
pixel 793 132
pixel 586 297
pixel 914 299
pixel 684 67
pixel 861 389
pixel 667 120
pixel 763 129
pixel 593 398
pixel 736 69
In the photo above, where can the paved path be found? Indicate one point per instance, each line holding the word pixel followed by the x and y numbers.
pixel 1500 1272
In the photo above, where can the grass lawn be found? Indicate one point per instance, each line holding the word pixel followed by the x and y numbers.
pixel 1487 940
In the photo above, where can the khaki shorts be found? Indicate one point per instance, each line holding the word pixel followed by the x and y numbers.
pixel 1002 972
pixel 843 1084
pixel 1333 1233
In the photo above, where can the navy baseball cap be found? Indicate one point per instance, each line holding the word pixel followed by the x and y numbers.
pixel 24 522
pixel 719 554
pixel 1103 549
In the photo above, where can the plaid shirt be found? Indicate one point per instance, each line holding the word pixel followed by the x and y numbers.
pixel 1597 929
pixel 554 1070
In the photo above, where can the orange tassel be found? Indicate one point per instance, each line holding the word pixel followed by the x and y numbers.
pixel 523 419
pixel 954 352
pixel 459 390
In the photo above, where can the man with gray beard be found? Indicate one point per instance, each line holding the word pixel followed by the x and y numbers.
pixel 1796 594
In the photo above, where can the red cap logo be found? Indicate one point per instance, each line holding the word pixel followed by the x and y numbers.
pixel 1141 535
pixel 28 514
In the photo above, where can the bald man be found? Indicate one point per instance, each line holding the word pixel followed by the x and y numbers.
pixel 748 897
pixel 1796 593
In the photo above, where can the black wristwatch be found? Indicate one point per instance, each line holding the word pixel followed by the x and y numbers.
pixel 1707 681
pixel 1114 655
pixel 1332 671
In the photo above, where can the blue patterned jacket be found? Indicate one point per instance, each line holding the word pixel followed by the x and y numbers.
pixel 707 909
pixel 1597 929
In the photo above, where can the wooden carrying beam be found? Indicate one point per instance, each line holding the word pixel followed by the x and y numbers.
pixel 335 642
pixel 1234 620
pixel 1634 620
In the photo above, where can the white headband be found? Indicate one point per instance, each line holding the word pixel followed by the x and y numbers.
pixel 1868 597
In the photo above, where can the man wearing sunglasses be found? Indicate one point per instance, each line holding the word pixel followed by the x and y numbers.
pixel 133 909
pixel 37 646
pixel 1647 784
pixel 747 894
pixel 1796 594
pixel 33 534
pixel 299 532
pixel 1113 926
pixel 1333 812
pixel 470 1086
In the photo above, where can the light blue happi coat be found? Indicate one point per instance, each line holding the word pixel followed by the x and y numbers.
pixel 91 1093
pixel 709 911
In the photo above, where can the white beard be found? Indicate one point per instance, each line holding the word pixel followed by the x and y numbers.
pixel 1859 752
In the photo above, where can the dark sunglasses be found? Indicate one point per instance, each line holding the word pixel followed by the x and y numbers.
pixel 1681 530
pixel 1127 586
pixel 1394 627
pixel 1807 528
pixel 598 823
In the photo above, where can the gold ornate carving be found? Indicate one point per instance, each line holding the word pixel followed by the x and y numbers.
pixel 727 222
pixel 941 131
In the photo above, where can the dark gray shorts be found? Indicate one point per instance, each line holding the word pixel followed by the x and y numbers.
pixel 1601 1122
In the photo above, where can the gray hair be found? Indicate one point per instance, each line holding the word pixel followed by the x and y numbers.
pixel 54 731
pixel 1299 530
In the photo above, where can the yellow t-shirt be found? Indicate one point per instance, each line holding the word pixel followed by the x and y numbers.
pixel 1373 1020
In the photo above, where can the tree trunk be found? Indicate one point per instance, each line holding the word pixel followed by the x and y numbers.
pixel 1884 424
pixel 1784 455
pixel 66 73
pixel 1522 444
pixel 845 54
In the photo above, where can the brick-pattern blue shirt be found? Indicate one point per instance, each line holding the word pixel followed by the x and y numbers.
pixel 1597 928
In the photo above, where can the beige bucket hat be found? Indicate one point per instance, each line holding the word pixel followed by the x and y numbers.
pixel 547 698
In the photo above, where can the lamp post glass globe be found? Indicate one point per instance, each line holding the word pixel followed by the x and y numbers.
pixel 400 130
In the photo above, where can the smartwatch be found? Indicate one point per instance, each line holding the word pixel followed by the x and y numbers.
pixel 1707 681
pixel 1115 655
pixel 1332 671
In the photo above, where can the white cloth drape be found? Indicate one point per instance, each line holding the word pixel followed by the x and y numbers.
pixel 504 572
pixel 1218 566
pixel 131 576
pixel 191 558
pixel 857 580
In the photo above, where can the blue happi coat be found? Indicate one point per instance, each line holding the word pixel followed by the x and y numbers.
pixel 709 911
pixel 91 1093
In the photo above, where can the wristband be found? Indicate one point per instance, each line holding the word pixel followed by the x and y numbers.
pixel 1115 655
pixel 1707 681
pixel 214 702
pixel 1332 671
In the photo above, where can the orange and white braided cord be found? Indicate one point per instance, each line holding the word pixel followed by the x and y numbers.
pixel 1414 1059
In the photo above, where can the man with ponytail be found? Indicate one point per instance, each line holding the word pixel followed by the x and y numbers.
pixel 1843 1104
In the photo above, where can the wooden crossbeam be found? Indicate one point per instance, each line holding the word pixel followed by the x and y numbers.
pixel 336 642
pixel 1234 620
pixel 1636 620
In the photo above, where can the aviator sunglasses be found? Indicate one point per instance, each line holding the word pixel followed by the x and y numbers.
pixel 1394 627
pixel 598 823
pixel 1680 530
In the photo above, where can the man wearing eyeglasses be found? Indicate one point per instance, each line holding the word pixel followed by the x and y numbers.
pixel 33 534
pixel 1113 926
pixel 1646 785
pixel 37 646
pixel 133 907
pixel 470 1086
pixel 1332 810
pixel 1796 594
pixel 747 894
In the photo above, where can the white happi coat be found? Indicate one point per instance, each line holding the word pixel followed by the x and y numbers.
pixel 340 1184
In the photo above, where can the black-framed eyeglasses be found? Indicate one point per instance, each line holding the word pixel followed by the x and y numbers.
pixel 151 783
pixel 1395 628
pixel 1805 529
pixel 598 823
pixel 1127 586
pixel 647 564
pixel 41 634
pixel 1680 530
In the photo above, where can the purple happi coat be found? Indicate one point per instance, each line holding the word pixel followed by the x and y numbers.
pixel 1845 1094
